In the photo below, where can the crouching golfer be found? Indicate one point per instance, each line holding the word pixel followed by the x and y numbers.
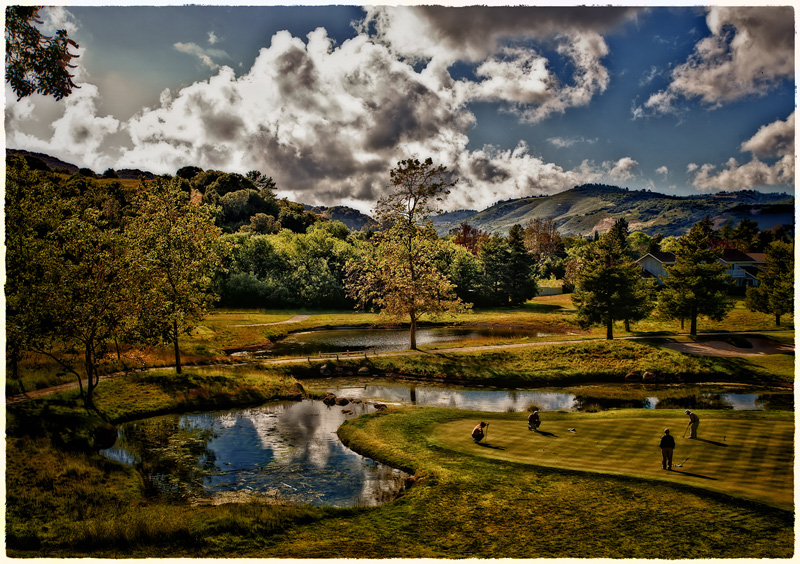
pixel 694 422
pixel 534 421
pixel 478 433
pixel 667 446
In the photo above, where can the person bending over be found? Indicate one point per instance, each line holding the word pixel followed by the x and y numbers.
pixel 534 421
pixel 478 432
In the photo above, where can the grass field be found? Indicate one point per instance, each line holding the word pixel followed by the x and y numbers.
pixel 750 458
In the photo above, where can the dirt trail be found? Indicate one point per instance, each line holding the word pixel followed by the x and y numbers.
pixel 295 319
pixel 720 348
pixel 708 348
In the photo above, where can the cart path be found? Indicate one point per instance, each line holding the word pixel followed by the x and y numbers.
pixel 707 348
pixel 295 319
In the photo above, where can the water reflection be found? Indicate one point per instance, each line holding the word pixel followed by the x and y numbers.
pixel 499 400
pixel 311 343
pixel 287 452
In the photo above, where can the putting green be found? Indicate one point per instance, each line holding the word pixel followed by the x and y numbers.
pixel 753 459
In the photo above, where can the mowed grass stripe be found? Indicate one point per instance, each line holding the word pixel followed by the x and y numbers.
pixel 737 457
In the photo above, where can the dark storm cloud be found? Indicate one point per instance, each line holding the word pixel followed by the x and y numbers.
pixel 483 169
pixel 223 126
pixel 403 114
pixel 478 28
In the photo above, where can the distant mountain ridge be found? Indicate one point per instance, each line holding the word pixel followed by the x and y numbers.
pixel 594 207
pixel 582 210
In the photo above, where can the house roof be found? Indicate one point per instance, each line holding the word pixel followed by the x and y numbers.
pixel 735 255
pixel 662 257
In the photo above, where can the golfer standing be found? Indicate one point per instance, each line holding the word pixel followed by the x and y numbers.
pixel 694 422
pixel 667 446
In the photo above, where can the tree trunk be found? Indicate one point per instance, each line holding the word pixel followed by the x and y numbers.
pixel 778 319
pixel 412 333
pixel 628 325
pixel 88 363
pixel 693 324
pixel 15 369
pixel 609 329
pixel 177 349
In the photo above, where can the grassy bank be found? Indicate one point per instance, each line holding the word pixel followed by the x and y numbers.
pixel 586 361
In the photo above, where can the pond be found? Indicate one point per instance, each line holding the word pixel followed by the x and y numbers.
pixel 289 452
pixel 285 452
pixel 366 339
pixel 577 399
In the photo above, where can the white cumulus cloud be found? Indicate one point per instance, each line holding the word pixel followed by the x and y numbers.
pixel 750 49
pixel 774 141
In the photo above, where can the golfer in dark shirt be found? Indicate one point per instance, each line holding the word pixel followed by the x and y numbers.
pixel 667 446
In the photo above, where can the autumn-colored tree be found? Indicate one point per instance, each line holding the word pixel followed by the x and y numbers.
pixel 36 63
pixel 398 273
pixel 470 237
pixel 542 237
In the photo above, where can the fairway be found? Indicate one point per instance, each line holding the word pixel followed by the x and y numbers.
pixel 753 459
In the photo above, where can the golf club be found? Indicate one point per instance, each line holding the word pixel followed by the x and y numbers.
pixel 681 464
pixel 686 429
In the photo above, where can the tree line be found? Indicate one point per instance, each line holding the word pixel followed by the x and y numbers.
pixel 91 264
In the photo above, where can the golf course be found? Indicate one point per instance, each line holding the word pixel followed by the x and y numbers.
pixel 587 484
pixel 750 458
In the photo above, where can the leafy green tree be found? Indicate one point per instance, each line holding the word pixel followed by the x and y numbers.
pixel 399 274
pixel 176 249
pixel 520 280
pixel 33 210
pixel 263 182
pixel 775 292
pixel 609 285
pixel 36 63
pixel 493 255
pixel 463 269
pixel 697 284
pixel 188 172
pixel 67 288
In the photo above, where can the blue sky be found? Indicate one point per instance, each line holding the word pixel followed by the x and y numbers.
pixel 516 101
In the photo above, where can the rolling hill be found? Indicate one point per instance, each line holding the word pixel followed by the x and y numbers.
pixel 594 207
pixel 579 211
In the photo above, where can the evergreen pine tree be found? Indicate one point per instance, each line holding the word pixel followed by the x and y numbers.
pixel 698 283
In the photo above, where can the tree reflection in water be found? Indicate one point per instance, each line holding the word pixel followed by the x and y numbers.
pixel 173 458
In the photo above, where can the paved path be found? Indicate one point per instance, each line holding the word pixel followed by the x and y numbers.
pixel 295 319
pixel 708 348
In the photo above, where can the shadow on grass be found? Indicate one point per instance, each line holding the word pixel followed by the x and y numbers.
pixel 546 434
pixel 487 445
pixel 715 443
pixel 692 474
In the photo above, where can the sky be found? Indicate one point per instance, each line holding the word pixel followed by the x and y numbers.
pixel 515 101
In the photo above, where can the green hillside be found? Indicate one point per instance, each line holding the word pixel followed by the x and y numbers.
pixel 594 207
